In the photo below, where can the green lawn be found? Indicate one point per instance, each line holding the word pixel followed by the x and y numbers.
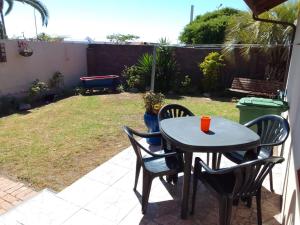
pixel 54 145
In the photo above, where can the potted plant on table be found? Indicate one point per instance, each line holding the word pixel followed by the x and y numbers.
pixel 153 103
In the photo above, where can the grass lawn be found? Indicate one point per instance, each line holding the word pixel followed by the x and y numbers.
pixel 54 145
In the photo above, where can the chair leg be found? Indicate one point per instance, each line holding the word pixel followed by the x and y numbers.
pixel 219 160
pixel 258 204
pixel 271 181
pixel 249 202
pixel 147 182
pixel 137 173
pixel 225 209
pixel 195 182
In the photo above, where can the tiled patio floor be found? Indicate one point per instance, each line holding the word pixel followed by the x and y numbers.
pixel 12 193
pixel 105 196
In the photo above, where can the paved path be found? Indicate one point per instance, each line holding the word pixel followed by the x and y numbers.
pixel 12 193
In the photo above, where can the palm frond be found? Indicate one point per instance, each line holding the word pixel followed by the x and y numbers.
pixel 10 6
pixel 40 7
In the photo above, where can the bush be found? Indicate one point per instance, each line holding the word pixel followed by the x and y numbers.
pixel 166 68
pixel 144 66
pixel 185 85
pixel 133 78
pixel 37 89
pixel 211 69
pixel 166 72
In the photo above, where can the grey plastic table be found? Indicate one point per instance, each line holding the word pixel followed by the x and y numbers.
pixel 224 136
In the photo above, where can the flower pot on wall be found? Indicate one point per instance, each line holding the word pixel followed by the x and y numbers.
pixel 151 121
pixel 26 52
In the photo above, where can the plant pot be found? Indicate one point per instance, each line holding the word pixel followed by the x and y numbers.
pixel 151 122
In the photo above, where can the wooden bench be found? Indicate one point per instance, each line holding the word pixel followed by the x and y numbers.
pixel 256 87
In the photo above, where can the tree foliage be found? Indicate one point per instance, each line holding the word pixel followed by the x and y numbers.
pixel 272 38
pixel 36 4
pixel 121 38
pixel 49 38
pixel 208 28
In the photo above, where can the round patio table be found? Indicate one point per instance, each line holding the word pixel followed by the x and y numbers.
pixel 224 136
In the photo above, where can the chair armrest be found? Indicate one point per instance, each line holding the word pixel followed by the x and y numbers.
pixel 146 135
pixel 214 172
pixel 155 154
pixel 270 144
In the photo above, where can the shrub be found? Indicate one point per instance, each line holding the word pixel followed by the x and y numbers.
pixel 144 66
pixel 166 67
pixel 37 89
pixel 185 84
pixel 120 88
pixel 133 78
pixel 211 69
pixel 139 75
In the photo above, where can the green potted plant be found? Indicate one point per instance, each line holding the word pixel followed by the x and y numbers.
pixel 153 103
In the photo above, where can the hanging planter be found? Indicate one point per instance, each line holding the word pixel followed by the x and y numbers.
pixel 24 50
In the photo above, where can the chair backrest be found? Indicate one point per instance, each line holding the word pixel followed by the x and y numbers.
pixel 250 175
pixel 135 144
pixel 172 111
pixel 272 129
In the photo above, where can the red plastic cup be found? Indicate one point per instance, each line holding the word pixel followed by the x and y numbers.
pixel 205 123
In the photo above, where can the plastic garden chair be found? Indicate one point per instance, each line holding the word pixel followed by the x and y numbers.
pixel 230 184
pixel 273 131
pixel 155 164
pixel 172 111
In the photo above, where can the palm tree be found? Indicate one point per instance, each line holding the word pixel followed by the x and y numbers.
pixel 272 39
pixel 36 4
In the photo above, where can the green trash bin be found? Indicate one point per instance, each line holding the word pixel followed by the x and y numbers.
pixel 251 108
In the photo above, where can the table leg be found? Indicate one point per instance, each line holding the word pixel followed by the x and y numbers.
pixel 214 161
pixel 188 156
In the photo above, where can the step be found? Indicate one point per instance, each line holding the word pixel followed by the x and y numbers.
pixel 45 208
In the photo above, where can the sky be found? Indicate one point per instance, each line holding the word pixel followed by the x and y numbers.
pixel 77 19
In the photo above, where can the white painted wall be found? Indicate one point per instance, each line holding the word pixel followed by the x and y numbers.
pixel 291 196
pixel 18 72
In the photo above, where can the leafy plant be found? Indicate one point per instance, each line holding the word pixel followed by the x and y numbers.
pixel 144 66
pixel 133 77
pixel 120 88
pixel 57 80
pixel 211 69
pixel 79 91
pixel 185 84
pixel 139 75
pixel 153 102
pixel 37 89
pixel 166 67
